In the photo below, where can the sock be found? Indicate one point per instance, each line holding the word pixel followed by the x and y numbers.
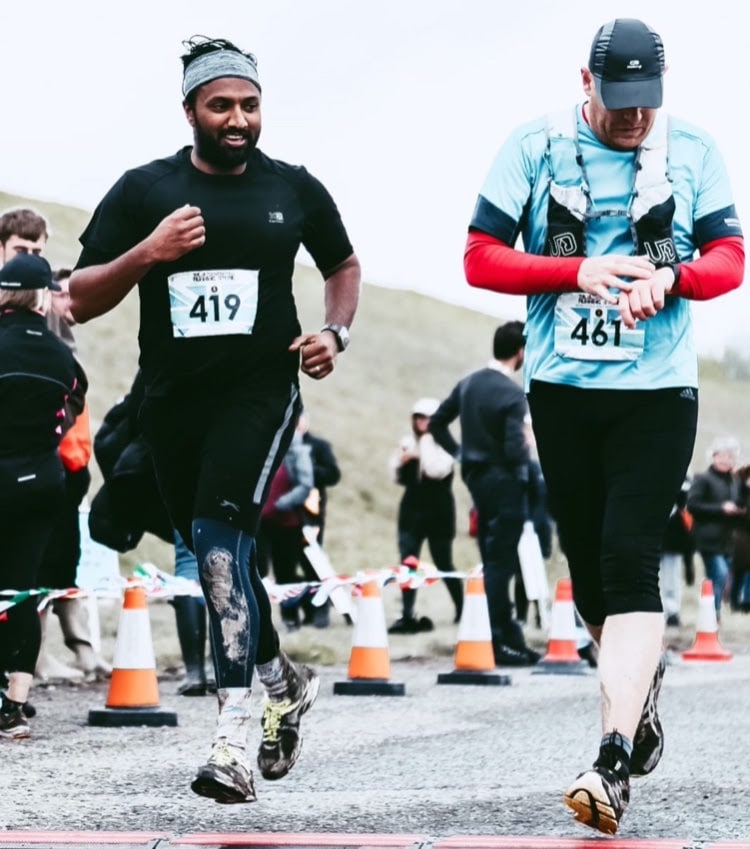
pixel 9 706
pixel 234 716
pixel 274 677
pixel 614 753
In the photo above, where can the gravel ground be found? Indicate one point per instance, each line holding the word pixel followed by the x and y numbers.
pixel 440 761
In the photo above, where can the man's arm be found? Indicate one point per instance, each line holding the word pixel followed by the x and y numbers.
pixel 441 418
pixel 96 289
pixel 318 350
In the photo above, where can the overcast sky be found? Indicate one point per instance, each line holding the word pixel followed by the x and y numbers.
pixel 398 106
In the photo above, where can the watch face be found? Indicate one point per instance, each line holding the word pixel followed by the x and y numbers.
pixel 341 333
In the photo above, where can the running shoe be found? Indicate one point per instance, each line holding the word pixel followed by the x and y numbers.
pixel 281 743
pixel 226 777
pixel 648 742
pixel 14 725
pixel 598 798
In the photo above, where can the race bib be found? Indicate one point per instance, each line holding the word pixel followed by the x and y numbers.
pixel 586 328
pixel 219 302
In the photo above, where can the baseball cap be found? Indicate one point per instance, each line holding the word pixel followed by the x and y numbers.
pixel 627 59
pixel 27 271
pixel 425 407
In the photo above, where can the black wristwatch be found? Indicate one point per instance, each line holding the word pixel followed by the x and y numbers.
pixel 341 333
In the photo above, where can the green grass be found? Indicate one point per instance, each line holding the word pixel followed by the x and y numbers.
pixel 404 346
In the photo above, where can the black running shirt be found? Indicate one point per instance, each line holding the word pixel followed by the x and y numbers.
pixel 225 312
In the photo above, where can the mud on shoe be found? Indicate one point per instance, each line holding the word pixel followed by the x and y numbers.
pixel 648 741
pixel 281 743
pixel 598 798
pixel 226 777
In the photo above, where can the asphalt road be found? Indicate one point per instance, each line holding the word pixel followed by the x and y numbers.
pixel 439 761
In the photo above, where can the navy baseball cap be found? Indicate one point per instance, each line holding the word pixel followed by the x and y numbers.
pixel 627 60
pixel 27 271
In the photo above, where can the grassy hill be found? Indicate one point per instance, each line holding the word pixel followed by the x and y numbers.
pixel 404 346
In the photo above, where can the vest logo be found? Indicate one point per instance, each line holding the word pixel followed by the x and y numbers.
pixel 661 251
pixel 275 217
pixel 563 244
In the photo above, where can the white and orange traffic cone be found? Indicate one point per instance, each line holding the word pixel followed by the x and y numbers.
pixel 707 645
pixel 474 660
pixel 369 661
pixel 562 650
pixel 133 697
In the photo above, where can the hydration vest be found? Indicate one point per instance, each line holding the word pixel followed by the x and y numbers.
pixel 650 208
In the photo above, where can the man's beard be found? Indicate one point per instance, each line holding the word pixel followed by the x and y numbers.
pixel 211 150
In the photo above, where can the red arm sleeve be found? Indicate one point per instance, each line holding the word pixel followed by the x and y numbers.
pixel 719 269
pixel 492 264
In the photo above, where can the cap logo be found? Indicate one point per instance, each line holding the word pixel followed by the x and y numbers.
pixel 635 65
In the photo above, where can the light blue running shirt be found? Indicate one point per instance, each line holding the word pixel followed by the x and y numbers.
pixel 513 201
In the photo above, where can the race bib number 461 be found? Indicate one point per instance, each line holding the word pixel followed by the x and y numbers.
pixel 586 328
pixel 218 302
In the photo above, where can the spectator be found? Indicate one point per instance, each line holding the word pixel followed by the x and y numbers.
pixel 326 473
pixel 494 455
pixel 715 500
pixel 39 375
pixel 279 537
pixel 676 546
pixel 426 512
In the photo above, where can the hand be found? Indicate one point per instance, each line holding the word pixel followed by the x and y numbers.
pixel 179 233
pixel 598 274
pixel 317 353
pixel 645 297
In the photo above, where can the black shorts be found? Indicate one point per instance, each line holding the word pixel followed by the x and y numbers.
pixel 215 454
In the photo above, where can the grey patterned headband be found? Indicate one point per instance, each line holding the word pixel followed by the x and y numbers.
pixel 217 64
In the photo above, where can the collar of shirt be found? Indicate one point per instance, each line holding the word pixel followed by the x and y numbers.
pixel 501 367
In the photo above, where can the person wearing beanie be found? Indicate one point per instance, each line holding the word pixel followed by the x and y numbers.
pixel 209 235
pixel 610 217
pixel 39 380
pixel 426 512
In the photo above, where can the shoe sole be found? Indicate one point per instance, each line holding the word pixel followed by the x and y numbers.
pixel 307 703
pixel 207 785
pixel 22 734
pixel 588 800
pixel 638 770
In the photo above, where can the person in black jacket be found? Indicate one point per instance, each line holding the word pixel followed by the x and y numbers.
pixel 715 501
pixel 494 455
pixel 40 380
pixel 326 473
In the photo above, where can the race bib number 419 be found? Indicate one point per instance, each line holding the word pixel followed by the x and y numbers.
pixel 586 328
pixel 218 302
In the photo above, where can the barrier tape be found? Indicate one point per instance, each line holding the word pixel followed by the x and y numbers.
pixel 161 585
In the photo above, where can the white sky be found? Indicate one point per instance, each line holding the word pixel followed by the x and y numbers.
pixel 398 106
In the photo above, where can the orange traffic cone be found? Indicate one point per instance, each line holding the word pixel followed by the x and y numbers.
pixel 707 645
pixel 369 661
pixel 133 697
pixel 562 651
pixel 474 659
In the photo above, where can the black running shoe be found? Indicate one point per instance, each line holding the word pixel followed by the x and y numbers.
pixel 281 743
pixel 648 742
pixel 598 798
pixel 14 725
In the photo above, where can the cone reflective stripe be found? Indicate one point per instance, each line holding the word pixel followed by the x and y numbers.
pixel 474 658
pixel 562 650
pixel 133 697
pixel 369 661
pixel 707 645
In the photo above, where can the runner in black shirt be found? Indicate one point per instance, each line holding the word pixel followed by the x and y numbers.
pixel 210 237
